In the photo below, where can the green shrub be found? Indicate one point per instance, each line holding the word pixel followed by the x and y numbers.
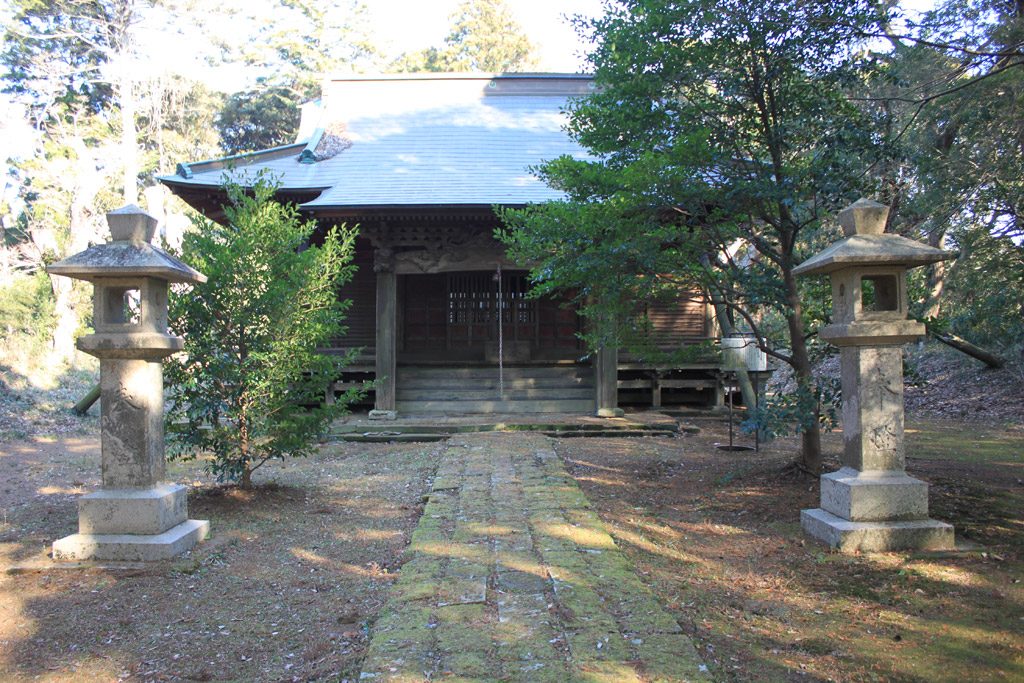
pixel 250 385
pixel 27 307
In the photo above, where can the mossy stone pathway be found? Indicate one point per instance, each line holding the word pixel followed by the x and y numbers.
pixel 512 577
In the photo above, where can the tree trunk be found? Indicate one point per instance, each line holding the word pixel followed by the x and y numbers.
pixel 810 438
pixel 63 338
pixel 129 137
pixel 82 407
pixel 726 327
pixel 245 481
pixel 936 277
pixel 87 183
pixel 963 346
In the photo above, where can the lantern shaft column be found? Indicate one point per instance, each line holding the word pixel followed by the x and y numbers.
pixel 872 383
pixel 131 416
pixel 872 485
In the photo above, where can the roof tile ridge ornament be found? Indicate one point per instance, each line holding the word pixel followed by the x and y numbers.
pixel 308 155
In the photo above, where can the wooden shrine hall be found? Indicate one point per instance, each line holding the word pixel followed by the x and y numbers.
pixel 441 316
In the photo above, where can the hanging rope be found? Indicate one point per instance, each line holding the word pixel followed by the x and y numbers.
pixel 501 338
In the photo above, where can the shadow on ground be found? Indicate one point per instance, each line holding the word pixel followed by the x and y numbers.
pixel 287 586
pixel 717 536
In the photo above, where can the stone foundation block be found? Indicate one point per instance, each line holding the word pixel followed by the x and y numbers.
pixel 847 536
pixel 382 415
pixel 874 496
pixel 132 547
pixel 133 511
pixel 610 412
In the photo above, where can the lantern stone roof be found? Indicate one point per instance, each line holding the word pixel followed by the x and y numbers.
pixel 125 259
pixel 415 140
pixel 867 244
pixel 129 255
pixel 871 250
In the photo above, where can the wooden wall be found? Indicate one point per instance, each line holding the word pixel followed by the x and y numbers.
pixel 678 321
pixel 362 313
pixel 674 323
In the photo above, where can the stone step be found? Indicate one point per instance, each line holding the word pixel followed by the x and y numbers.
pixel 609 433
pixel 423 437
pixel 490 382
pixel 487 372
pixel 389 437
pixel 445 429
pixel 493 406
pixel 474 392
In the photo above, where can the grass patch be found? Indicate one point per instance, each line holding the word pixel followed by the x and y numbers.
pixel 948 440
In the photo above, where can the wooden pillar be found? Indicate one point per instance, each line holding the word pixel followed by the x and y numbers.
pixel 718 395
pixel 655 389
pixel 387 335
pixel 606 375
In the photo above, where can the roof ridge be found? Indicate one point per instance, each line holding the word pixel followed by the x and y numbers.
pixel 458 75
pixel 186 170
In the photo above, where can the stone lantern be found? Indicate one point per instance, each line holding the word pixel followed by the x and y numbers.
pixel 871 503
pixel 136 515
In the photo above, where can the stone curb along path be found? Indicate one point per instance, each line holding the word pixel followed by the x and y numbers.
pixel 512 577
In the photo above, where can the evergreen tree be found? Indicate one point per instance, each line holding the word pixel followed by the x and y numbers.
pixel 306 42
pixel 251 383
pixel 952 86
pixel 79 55
pixel 723 135
pixel 484 36
pixel 72 64
pixel 264 117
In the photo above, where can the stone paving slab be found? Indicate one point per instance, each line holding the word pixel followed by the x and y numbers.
pixel 510 576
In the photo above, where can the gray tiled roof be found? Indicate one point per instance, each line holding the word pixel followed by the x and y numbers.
pixel 421 141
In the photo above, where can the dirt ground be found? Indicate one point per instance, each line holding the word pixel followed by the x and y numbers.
pixel 285 590
pixel 295 574
pixel 717 536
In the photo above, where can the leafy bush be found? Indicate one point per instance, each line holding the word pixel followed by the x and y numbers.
pixel 782 414
pixel 26 307
pixel 250 386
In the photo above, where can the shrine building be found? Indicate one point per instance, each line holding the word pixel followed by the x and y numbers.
pixel 440 315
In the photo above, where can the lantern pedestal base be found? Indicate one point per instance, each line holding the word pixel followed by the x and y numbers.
pixel 148 511
pixel 132 547
pixel 847 536
pixel 877 496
